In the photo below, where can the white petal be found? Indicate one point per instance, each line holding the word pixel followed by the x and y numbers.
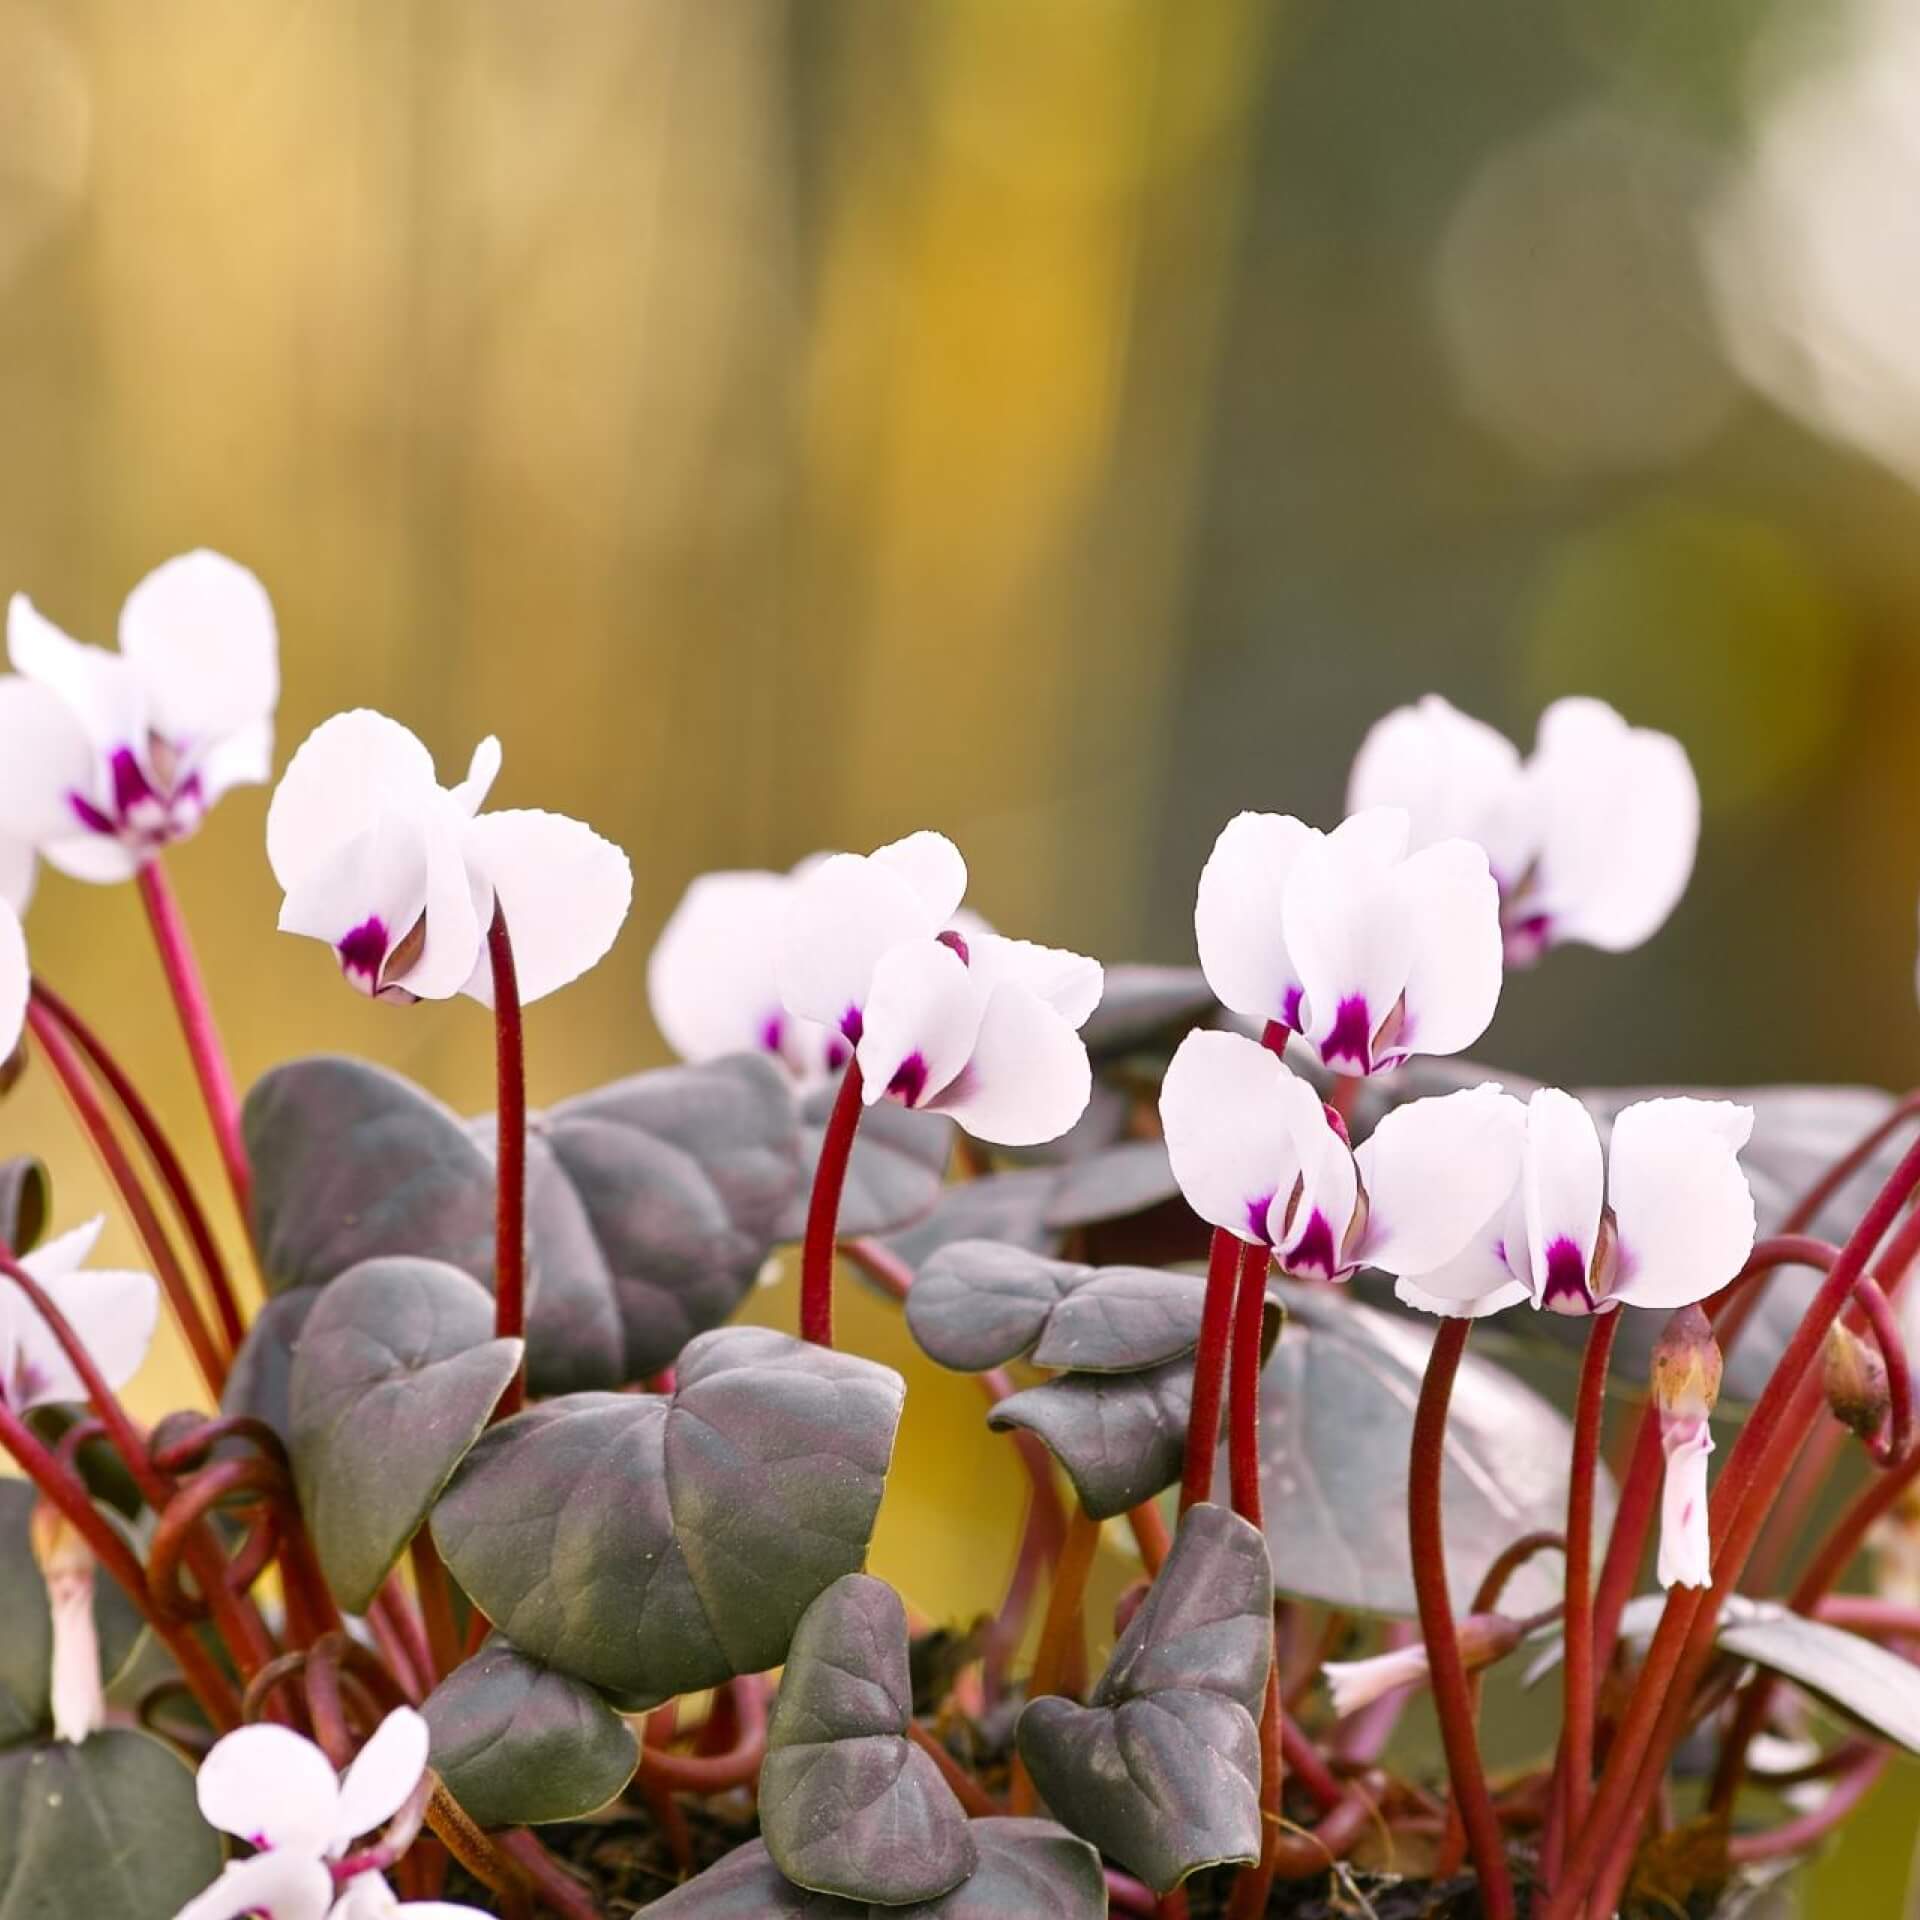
pixel 843 916
pixel 1453 975
pixel 458 908
pixel 1238 915
pixel 74 1694
pixel 96 858
pixel 1353 1684
pixel 710 978
pixel 199 631
pixel 1618 812
pixel 1469 1304
pixel 1680 1200
pixel 1069 983
pixel 348 772
pixel 931 865
pixel 282 1886
pixel 1348 931
pixel 1457 778
pixel 1563 1188
pixel 384 1772
pixel 1029 1078
pixel 1312 1241
pixel 271 1788
pixel 1231 1113
pixel 367 1897
pixel 16 873
pixel 1686 1548
pixel 365 897
pixel 46 757
pixel 15 980
pixel 243 759
pixel 113 1313
pixel 482 771
pixel 1438 1173
pixel 923 1018
pixel 66 1252
pixel 101 690
pixel 564 890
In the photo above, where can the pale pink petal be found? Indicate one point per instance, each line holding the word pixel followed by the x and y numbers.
pixel 200 633
pixel 1563 1186
pixel 1471 1303
pixel 16 873
pixel 483 769
pixel 75 1694
pixel 66 1252
pixel 15 980
pixel 1232 1116
pixel 46 757
pixel 1239 921
pixel 367 1897
pixel 1029 1078
pixel 243 759
pixel 113 1313
pixel 384 1772
pixel 922 1021
pixel 710 978
pixel 1069 983
pixel 97 858
pixel 1437 1173
pixel 1686 1548
pixel 348 772
pixel 278 1886
pixel 458 907
pixel 1618 815
pixel 271 1788
pixel 931 865
pixel 1454 972
pixel 1312 1239
pixel 564 892
pixel 1353 1684
pixel 101 690
pixel 365 897
pixel 1456 777
pixel 1681 1204
pixel 844 914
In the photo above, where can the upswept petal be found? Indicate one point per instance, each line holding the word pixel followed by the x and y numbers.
pixel 280 1885
pixel 383 1773
pixel 1438 1175
pixel 1232 1116
pixel 15 979
pixel 243 759
pixel 483 769
pixel 923 1019
pixel 46 755
pixel 101 689
pixel 711 981
pixel 1457 777
pixel 842 917
pixel 456 911
pixel 199 631
pixel 66 1252
pixel 114 1314
pixel 1068 982
pixel 347 773
pixel 564 890
pixel 1686 1546
pixel 1680 1200
pixel 932 866
pixel 1564 1188
pixel 1313 1239
pixel 271 1788
pixel 1029 1078
pixel 1455 965
pixel 1618 818
pixel 1239 919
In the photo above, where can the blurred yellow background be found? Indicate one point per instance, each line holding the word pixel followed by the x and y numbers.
pixel 791 422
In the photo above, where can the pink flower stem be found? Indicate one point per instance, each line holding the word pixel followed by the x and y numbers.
pixel 823 1211
pixel 1892 1445
pixel 201 1031
pixel 510 1158
pixel 1798 1836
pixel 1210 1368
pixel 1452 1692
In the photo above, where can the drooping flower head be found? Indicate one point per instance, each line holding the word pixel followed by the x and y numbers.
pixel 113 1313
pixel 400 875
pixel 1370 952
pixel 105 758
pixel 964 1022
pixel 1591 839
pixel 1255 1152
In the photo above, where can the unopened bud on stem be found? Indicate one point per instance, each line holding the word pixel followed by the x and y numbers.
pixel 1855 1378
pixel 67 1564
pixel 1686 1384
pixel 1353 1684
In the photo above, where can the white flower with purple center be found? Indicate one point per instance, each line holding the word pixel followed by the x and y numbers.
pixel 940 1014
pixel 105 758
pixel 1591 839
pixel 1370 952
pixel 1256 1153
pixel 113 1314
pixel 400 876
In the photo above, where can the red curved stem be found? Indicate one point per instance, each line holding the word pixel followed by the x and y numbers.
pixel 1590 1407
pixel 1210 1368
pixel 510 1158
pixel 823 1211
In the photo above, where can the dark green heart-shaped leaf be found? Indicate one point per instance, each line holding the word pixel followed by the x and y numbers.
pixel 1865 1681
pixel 848 1804
pixel 1029 1870
pixel 110 1827
pixel 1121 1319
pixel 394 1377
pixel 1009 1207
pixel 25 1203
pixel 893 1176
pixel 1124 1179
pixel 261 1379
pixel 654 1545
pixel 519 1744
pixel 350 1162
pixel 1336 1421
pixel 1122 1437
pixel 1161 1768
pixel 1139 1005
pixel 26 1625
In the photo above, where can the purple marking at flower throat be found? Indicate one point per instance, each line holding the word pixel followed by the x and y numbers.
pixel 130 785
pixel 773 1032
pixel 362 950
pixel 1566 1290
pixel 1352 1034
pixel 1290 1007
pixel 958 943
pixel 853 1024
pixel 1314 1249
pixel 1257 1212
pixel 909 1081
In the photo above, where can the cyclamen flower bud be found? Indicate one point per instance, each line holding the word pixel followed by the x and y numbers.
pixel 66 1563
pixel 1686 1384
pixel 1484 1639
pixel 1855 1378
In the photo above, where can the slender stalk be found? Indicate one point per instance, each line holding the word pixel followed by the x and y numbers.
pixel 1452 1694
pixel 166 1163
pixel 716 1772
pixel 510 1158
pixel 98 1127
pixel 823 1211
pixel 1061 1635
pixel 1254 1887
pixel 979 1803
pixel 1796 1836
pixel 1590 1409
pixel 1150 1536
pixel 1893 1445
pixel 436 1604
pixel 201 1031
pixel 477 1852
pixel 553 1882
pixel 1210 1368
pixel 1243 1410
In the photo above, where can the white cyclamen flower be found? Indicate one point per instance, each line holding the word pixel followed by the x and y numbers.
pixel 113 1313
pixel 1255 1153
pixel 16 980
pixel 964 1022
pixel 1368 951
pixel 400 875
pixel 107 757
pixel 295 1886
pixel 1591 839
